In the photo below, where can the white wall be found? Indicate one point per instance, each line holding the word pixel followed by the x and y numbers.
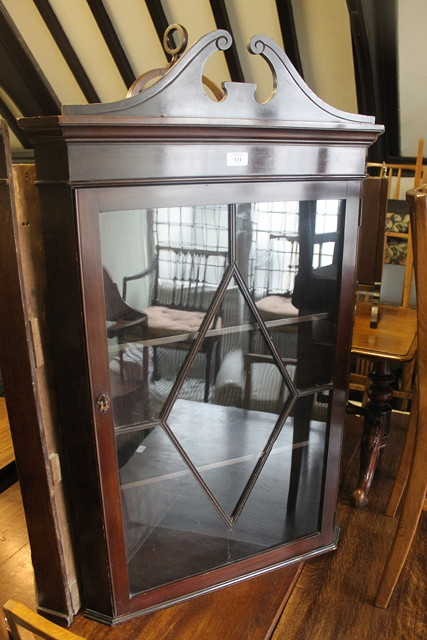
pixel 324 38
pixel 412 70
pixel 124 250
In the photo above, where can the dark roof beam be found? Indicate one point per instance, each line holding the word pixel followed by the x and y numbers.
pixel 374 35
pixel 289 34
pixel 112 41
pixel 159 19
pixel 6 113
pixel 222 21
pixel 20 76
pixel 66 49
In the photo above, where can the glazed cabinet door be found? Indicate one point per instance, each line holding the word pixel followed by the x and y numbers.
pixel 212 318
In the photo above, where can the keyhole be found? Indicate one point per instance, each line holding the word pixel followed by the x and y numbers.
pixel 103 402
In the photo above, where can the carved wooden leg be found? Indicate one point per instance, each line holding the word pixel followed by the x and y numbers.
pixel 375 428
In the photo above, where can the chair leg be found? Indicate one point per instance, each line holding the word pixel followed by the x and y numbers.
pixel 405 461
pixel 375 308
pixel 411 510
pixel 375 428
pixel 208 373
pixel 406 383
pixel 155 375
pixel 4 634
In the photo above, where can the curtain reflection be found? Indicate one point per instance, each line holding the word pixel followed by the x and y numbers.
pixel 220 325
pixel 169 263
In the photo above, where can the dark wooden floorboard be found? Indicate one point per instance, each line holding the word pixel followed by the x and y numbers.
pixel 333 598
pixel 16 571
pixel 330 600
pixel 248 610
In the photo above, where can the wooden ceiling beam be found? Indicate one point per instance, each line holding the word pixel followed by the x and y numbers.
pixel 222 21
pixel 373 26
pixel 158 18
pixel 60 37
pixel 289 34
pixel 112 41
pixel 20 76
pixel 6 113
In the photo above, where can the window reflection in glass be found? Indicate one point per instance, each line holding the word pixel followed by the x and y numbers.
pixel 163 267
pixel 211 338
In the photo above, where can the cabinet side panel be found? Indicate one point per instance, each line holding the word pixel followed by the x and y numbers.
pixel 21 371
pixel 72 391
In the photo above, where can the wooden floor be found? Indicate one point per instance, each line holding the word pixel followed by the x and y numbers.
pixel 333 596
pixel 6 447
pixel 329 598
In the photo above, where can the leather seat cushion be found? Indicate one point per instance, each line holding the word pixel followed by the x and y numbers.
pixel 164 321
pixel 276 307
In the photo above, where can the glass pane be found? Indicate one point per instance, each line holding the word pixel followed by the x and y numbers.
pixel 172 528
pixel 219 457
pixel 247 389
pixel 162 268
pixel 291 260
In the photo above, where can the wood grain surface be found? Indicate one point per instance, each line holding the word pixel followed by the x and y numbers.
pixel 394 337
pixel 331 599
pixel 16 570
pixel 334 596
pixel 6 448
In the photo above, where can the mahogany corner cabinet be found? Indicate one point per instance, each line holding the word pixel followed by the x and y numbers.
pixel 200 257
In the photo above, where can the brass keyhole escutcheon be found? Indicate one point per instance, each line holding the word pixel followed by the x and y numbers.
pixel 103 401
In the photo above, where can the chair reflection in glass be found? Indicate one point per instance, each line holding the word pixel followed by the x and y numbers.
pixel 190 257
pixel 274 277
pixel 126 327
pixel 311 273
pixel 301 321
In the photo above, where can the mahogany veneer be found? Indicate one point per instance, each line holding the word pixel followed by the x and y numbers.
pixel 100 168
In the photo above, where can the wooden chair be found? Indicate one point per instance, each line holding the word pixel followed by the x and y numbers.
pixel 371 244
pixel 397 229
pixel 129 384
pixel 25 624
pixel 378 346
pixel 123 320
pixel 4 635
pixel 264 386
pixel 274 278
pixel 185 282
pixel 414 500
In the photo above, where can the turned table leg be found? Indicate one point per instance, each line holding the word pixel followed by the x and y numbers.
pixel 375 427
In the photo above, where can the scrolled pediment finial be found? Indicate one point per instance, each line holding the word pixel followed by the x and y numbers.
pixel 180 90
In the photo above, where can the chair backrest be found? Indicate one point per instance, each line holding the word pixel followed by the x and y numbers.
pixel 370 259
pixel 187 278
pixel 4 635
pixel 417 199
pixel 398 176
pixel 371 235
pixel 115 306
pixel 395 172
pixel 24 623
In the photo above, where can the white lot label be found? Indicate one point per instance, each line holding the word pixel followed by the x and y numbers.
pixel 237 159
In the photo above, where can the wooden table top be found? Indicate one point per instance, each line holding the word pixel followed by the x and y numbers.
pixel 395 336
